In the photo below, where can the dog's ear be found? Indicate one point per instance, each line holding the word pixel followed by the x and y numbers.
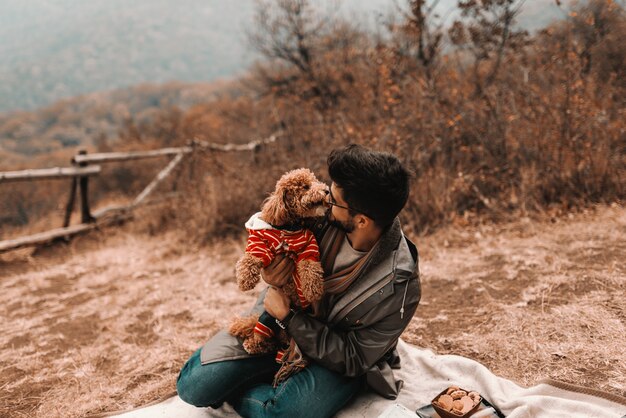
pixel 274 210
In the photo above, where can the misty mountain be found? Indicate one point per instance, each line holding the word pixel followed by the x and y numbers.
pixel 54 49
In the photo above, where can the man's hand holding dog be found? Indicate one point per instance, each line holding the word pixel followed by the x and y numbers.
pixel 276 303
pixel 279 271
pixel 276 275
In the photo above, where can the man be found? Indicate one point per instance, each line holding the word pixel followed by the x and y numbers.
pixel 371 292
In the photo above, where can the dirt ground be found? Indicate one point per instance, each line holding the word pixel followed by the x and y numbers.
pixel 105 322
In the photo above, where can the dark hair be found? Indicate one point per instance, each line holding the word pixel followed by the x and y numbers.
pixel 373 183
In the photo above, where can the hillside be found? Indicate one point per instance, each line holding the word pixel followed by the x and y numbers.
pixel 75 73
pixel 109 319
pixel 55 50
pixel 93 120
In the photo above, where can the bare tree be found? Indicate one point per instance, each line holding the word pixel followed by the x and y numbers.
pixel 488 35
pixel 296 42
pixel 420 35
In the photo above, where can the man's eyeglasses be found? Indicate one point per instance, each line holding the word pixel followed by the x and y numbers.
pixel 332 202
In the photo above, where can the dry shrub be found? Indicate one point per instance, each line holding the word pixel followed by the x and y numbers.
pixel 499 123
pixel 220 191
pixel 29 207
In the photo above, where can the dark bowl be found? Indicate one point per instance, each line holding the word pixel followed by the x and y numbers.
pixel 449 414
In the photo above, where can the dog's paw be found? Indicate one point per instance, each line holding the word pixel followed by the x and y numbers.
pixel 248 272
pixel 249 346
pixel 311 279
pixel 243 327
pixel 257 344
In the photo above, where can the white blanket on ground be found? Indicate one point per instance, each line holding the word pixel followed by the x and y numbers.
pixel 425 374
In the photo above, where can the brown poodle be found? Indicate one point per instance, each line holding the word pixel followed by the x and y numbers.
pixel 278 229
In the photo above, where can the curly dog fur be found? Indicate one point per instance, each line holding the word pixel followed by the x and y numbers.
pixel 298 194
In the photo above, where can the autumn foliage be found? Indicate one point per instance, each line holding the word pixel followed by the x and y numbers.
pixel 492 120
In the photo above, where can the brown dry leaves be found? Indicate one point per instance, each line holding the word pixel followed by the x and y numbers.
pixel 106 323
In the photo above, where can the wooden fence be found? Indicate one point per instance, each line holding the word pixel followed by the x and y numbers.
pixel 83 168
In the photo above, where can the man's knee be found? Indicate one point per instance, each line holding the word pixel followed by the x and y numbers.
pixel 192 385
pixel 188 391
pixel 197 394
pixel 184 390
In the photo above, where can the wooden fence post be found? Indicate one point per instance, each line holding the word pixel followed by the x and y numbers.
pixel 85 214
pixel 69 208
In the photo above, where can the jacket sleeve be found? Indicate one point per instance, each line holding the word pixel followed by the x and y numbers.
pixel 352 352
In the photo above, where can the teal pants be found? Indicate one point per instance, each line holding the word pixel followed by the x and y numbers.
pixel 246 385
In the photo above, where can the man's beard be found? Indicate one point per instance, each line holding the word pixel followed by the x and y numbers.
pixel 345 226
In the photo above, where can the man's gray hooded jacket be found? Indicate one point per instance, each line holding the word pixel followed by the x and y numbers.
pixel 357 331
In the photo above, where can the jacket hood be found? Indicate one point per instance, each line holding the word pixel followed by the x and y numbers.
pixel 387 243
pixel 256 223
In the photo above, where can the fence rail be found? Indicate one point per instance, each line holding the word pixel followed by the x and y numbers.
pixel 80 173
pixel 125 156
pixel 48 173
pixel 44 237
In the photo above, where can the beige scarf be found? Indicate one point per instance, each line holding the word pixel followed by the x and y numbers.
pixel 293 360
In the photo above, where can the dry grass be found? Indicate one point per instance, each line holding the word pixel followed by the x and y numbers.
pixel 108 320
pixel 110 325
pixel 531 299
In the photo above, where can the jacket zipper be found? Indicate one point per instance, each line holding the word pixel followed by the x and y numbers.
pixel 363 297
pixel 369 292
